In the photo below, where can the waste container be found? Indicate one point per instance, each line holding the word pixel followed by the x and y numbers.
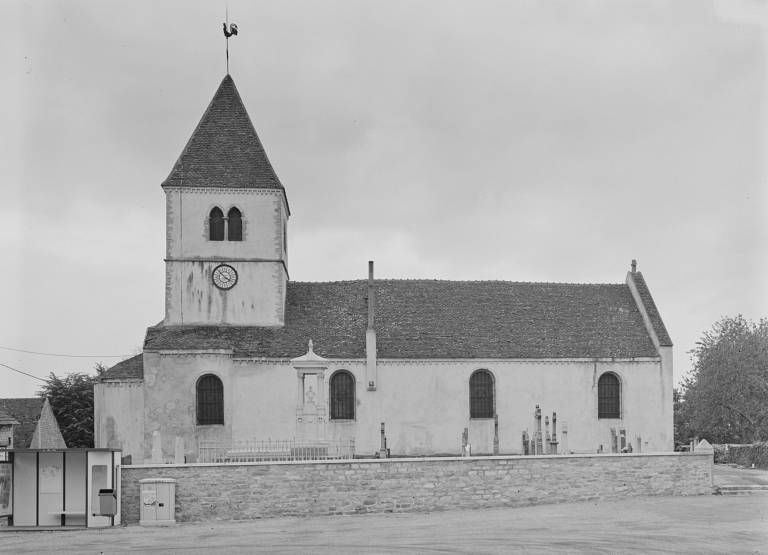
pixel 107 502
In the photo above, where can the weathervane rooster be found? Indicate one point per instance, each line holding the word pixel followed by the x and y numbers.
pixel 232 29
pixel 228 33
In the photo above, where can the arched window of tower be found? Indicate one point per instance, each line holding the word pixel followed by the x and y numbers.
pixel 216 224
pixel 235 225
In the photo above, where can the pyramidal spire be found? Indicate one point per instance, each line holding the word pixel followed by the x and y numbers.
pixel 47 433
pixel 224 149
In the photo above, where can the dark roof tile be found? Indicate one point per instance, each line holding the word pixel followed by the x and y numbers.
pixel 27 412
pixel 7 419
pixel 224 150
pixel 650 307
pixel 436 319
pixel 130 368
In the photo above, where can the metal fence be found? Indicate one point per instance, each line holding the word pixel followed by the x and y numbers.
pixel 274 450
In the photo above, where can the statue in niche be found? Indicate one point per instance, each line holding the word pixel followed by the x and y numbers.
pixel 309 396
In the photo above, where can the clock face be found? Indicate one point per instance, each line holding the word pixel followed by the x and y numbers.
pixel 224 276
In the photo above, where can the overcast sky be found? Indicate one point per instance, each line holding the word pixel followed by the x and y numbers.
pixel 522 141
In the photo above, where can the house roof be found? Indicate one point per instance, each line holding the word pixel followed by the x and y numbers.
pixel 129 368
pixel 6 419
pixel 436 319
pixel 26 411
pixel 224 149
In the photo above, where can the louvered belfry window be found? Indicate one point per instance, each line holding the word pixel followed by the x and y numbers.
pixel 608 396
pixel 216 225
pixel 210 401
pixel 342 386
pixel 234 225
pixel 481 395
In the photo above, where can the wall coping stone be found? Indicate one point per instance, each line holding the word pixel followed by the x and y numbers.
pixel 427 459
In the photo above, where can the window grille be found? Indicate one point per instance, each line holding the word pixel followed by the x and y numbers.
pixel 342 386
pixel 608 396
pixel 210 401
pixel 216 225
pixel 481 395
pixel 235 225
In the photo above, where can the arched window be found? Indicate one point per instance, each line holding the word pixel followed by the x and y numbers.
pixel 342 386
pixel 235 225
pixel 216 225
pixel 608 396
pixel 481 395
pixel 210 400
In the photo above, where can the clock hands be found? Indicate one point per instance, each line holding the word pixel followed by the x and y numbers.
pixel 224 277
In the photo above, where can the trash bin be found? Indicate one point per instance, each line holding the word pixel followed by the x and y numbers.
pixel 107 502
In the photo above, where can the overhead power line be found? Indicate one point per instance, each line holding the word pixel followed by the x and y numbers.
pixel 22 372
pixel 61 355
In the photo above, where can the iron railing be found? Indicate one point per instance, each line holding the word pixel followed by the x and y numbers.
pixel 212 451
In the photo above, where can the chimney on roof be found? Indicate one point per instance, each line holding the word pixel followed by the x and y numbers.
pixel 634 265
pixel 371 295
pixel 370 335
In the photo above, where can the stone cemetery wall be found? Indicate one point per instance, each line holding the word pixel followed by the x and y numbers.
pixel 261 490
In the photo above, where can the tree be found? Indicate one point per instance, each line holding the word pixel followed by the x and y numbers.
pixel 683 432
pixel 71 399
pixel 725 398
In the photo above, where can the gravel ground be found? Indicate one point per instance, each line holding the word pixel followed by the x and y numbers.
pixel 700 524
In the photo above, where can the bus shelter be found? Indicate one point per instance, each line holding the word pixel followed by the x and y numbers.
pixel 60 487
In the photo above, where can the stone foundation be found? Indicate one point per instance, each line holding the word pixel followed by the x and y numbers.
pixel 262 490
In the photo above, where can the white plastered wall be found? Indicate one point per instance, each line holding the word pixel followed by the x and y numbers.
pixel 424 404
pixel 258 297
pixel 118 408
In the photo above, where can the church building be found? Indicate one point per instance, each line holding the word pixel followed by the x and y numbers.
pixel 244 354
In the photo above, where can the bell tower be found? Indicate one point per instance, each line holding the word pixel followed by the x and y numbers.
pixel 226 224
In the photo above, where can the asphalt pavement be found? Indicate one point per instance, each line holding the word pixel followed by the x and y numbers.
pixel 697 524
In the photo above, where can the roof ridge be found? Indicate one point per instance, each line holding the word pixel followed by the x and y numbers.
pixel 659 328
pixel 439 280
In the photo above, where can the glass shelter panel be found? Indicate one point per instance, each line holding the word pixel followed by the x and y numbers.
pixel 74 489
pixel 25 490
pixel 51 493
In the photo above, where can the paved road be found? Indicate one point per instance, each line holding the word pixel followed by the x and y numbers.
pixel 701 524
pixel 726 475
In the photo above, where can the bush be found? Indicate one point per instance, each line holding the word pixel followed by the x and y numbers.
pixel 744 455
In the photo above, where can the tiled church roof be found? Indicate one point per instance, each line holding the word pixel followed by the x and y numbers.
pixel 650 308
pixel 436 319
pixel 224 150
pixel 129 368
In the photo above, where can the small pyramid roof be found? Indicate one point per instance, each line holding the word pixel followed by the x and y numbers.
pixel 47 433
pixel 224 149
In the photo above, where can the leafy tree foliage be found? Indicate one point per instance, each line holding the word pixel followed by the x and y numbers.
pixel 71 399
pixel 725 398
pixel 683 432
